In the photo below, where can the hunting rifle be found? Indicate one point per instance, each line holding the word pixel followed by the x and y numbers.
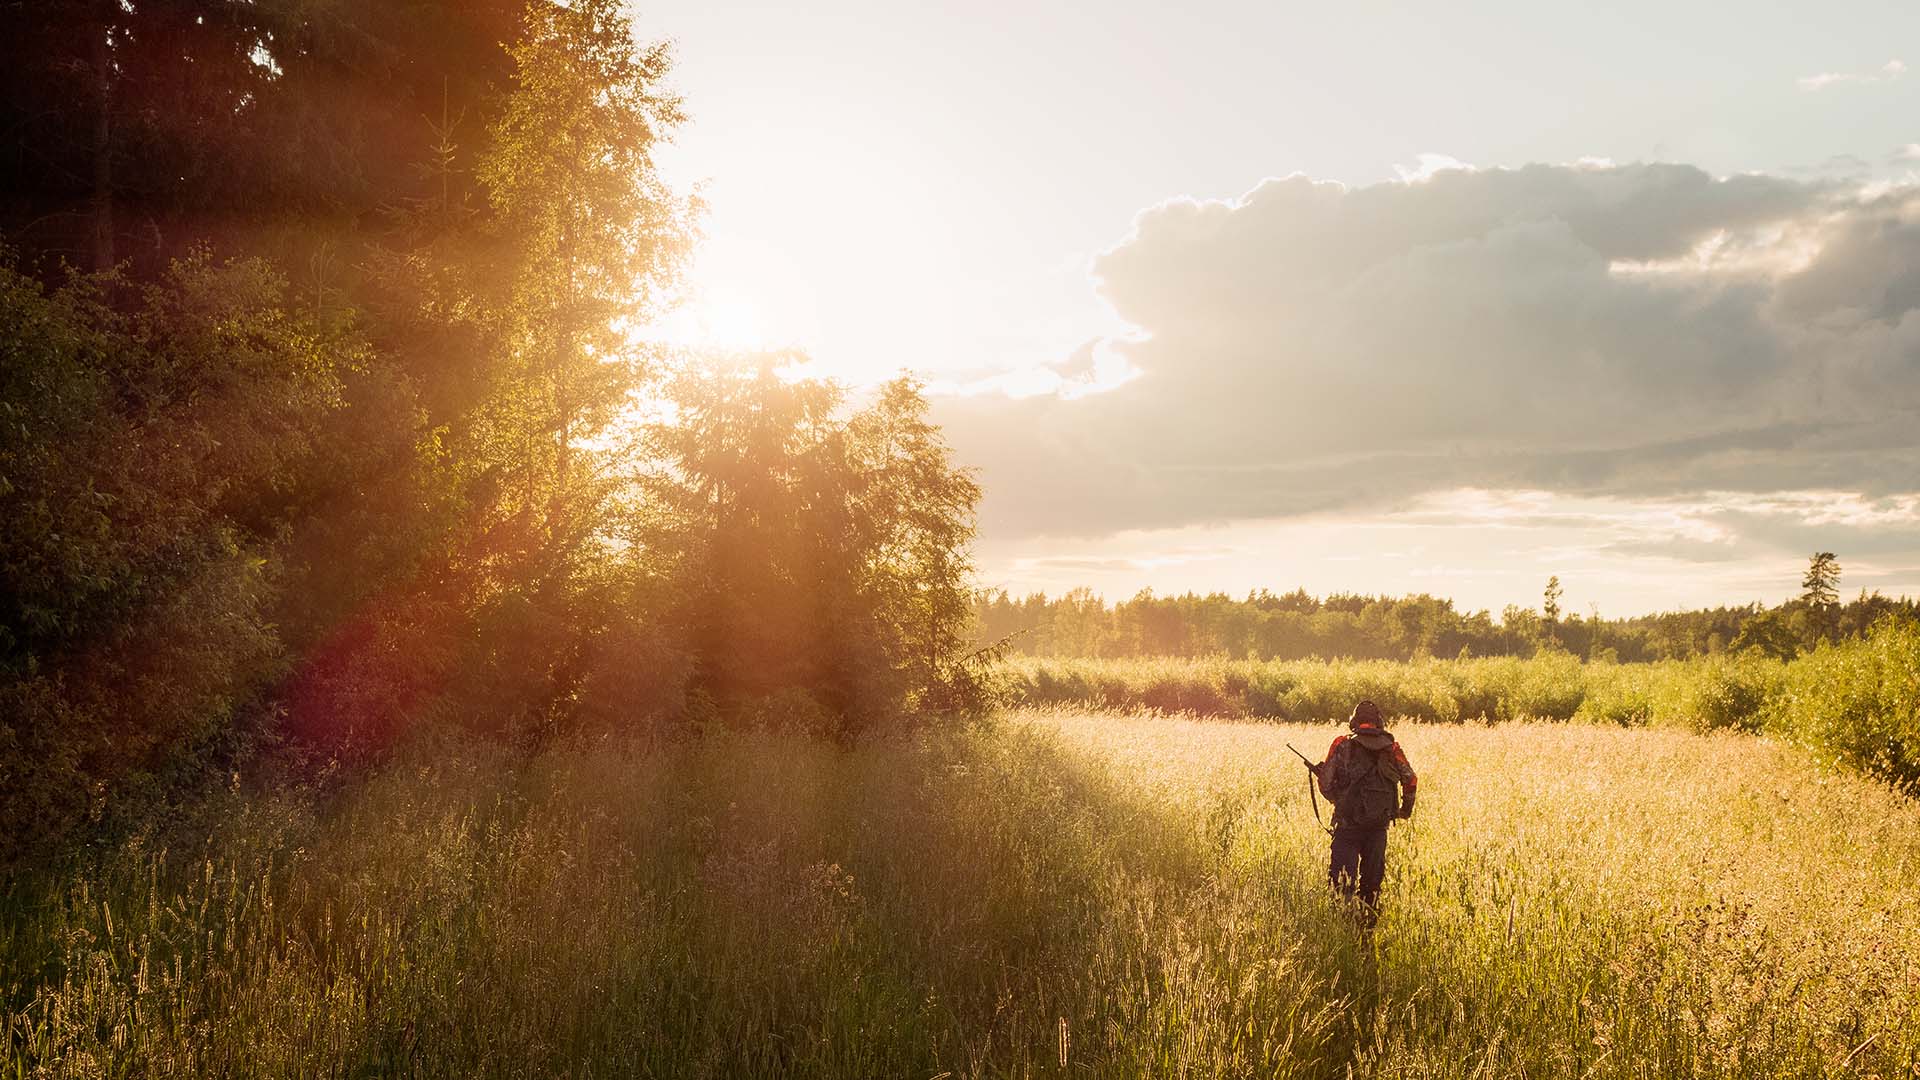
pixel 1313 774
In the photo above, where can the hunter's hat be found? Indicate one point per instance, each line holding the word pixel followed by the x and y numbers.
pixel 1366 717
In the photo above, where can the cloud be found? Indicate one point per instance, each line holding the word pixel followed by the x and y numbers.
pixel 1094 368
pixel 1848 166
pixel 1887 72
pixel 1429 165
pixel 1635 330
pixel 1711 526
pixel 1130 562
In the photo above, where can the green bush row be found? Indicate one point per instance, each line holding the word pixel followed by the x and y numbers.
pixel 1856 702
pixel 1555 686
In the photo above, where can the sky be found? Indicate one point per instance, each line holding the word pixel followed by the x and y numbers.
pixel 1362 297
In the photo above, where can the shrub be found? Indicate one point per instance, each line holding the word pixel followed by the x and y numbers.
pixel 148 466
pixel 1730 693
pixel 1617 694
pixel 1857 703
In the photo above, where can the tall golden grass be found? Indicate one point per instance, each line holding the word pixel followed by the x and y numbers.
pixel 1059 895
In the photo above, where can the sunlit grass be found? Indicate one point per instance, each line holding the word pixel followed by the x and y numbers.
pixel 1576 900
pixel 1129 896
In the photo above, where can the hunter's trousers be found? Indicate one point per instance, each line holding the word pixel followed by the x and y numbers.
pixel 1358 866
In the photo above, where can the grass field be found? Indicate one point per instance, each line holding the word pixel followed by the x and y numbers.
pixel 1062 894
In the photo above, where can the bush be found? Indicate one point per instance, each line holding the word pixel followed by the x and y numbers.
pixel 149 466
pixel 1730 694
pixel 1618 694
pixel 1857 703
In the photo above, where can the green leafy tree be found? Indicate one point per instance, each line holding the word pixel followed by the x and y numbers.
pixel 1521 624
pixel 139 129
pixel 526 303
pixel 593 233
pixel 151 464
pixel 916 519
pixel 817 558
pixel 1769 633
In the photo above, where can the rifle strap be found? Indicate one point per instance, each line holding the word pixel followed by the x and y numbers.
pixel 1314 798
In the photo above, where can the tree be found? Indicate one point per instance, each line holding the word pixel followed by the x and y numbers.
pixel 1550 611
pixel 153 461
pixel 103 103
pixel 139 129
pixel 1769 634
pixel 814 557
pixel 594 234
pixel 533 300
pixel 1821 592
pixel 917 519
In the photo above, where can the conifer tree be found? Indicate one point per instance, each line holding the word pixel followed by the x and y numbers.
pixel 1821 592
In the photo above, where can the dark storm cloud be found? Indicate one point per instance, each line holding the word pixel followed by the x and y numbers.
pixel 1642 329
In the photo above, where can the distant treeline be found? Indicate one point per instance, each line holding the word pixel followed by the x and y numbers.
pixel 1297 626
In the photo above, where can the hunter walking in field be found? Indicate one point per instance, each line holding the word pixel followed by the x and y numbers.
pixel 1370 784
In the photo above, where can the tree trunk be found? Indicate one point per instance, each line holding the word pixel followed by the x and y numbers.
pixel 103 255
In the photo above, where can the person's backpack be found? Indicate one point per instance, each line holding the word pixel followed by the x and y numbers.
pixel 1369 785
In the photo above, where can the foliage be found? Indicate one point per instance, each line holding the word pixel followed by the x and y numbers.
pixel 1552 686
pixel 1065 895
pixel 526 595
pixel 593 235
pixel 1296 626
pixel 149 462
pixel 287 129
pixel 1550 612
pixel 811 550
pixel 383 466
pixel 1858 703
pixel 231 476
pixel 1722 693
pixel 1822 592
pixel 1774 634
pixel 1852 702
pixel 1822 580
